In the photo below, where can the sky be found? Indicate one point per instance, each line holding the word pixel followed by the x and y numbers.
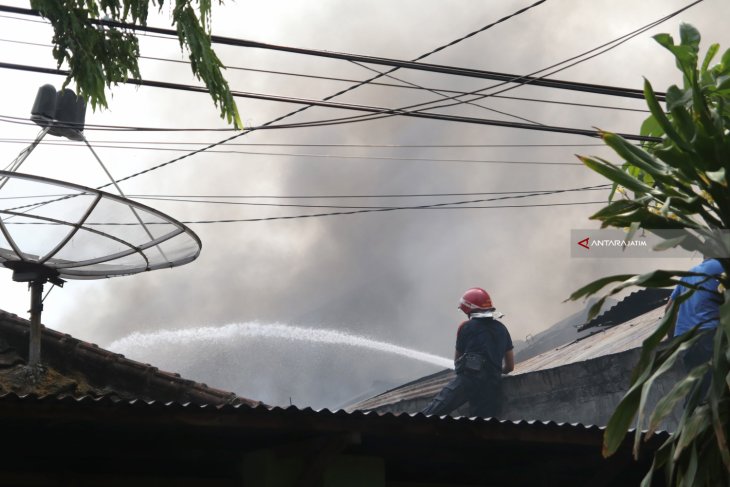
pixel 302 310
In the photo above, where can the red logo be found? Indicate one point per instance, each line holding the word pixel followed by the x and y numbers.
pixel 584 243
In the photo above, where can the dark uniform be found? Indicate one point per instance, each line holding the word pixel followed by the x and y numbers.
pixel 481 344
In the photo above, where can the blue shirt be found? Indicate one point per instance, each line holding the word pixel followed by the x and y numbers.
pixel 703 307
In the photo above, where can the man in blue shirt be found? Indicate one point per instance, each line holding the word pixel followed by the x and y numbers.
pixel 701 310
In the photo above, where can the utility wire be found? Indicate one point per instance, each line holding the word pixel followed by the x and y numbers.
pixel 372 83
pixel 278 119
pixel 330 196
pixel 597 51
pixel 530 78
pixel 179 199
pixel 395 63
pixel 335 213
pixel 447 97
pixel 262 144
pixel 335 156
pixel 355 212
pixel 345 106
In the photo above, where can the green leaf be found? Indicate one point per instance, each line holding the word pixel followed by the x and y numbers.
pixel 669 243
pixel 661 118
pixel 666 404
pixel 697 423
pixel 711 52
pixel 718 176
pixel 677 347
pixel 615 174
pixel 689 36
pixel 625 412
pixel 636 156
pixel 651 128
pixel 597 285
pixel 677 97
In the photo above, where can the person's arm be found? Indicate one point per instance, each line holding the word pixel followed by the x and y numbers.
pixel 509 362
pixel 457 354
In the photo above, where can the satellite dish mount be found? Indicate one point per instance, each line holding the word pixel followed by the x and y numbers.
pixel 36 275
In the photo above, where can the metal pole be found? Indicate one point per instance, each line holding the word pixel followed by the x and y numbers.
pixel 36 307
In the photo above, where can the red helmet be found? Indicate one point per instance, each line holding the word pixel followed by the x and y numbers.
pixel 474 299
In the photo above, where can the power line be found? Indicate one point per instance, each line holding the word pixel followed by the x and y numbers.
pixel 529 79
pixel 516 194
pixel 395 63
pixel 335 213
pixel 447 97
pixel 333 156
pixel 261 144
pixel 597 51
pixel 331 196
pixel 278 119
pixel 355 212
pixel 345 106
pixel 372 83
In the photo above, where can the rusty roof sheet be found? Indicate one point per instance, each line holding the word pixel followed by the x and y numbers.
pixel 607 341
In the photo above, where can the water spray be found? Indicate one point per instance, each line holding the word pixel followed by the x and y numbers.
pixel 136 341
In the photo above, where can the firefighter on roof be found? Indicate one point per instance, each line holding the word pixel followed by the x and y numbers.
pixel 483 354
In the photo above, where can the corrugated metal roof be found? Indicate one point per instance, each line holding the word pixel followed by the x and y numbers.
pixel 71 401
pixel 110 438
pixel 607 341
pixel 633 305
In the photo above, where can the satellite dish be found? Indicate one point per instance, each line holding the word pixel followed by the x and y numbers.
pixel 53 230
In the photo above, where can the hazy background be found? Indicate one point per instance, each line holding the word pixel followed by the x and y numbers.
pixel 389 276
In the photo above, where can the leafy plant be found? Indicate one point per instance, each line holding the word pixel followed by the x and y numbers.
pixel 677 181
pixel 102 53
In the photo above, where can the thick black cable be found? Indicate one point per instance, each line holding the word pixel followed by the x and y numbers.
pixel 127 128
pixel 395 63
pixel 345 106
pixel 577 60
pixel 530 79
pixel 372 83
pixel 274 121
pixel 436 92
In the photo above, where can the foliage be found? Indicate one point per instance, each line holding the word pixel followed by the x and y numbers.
pixel 97 40
pixel 677 182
